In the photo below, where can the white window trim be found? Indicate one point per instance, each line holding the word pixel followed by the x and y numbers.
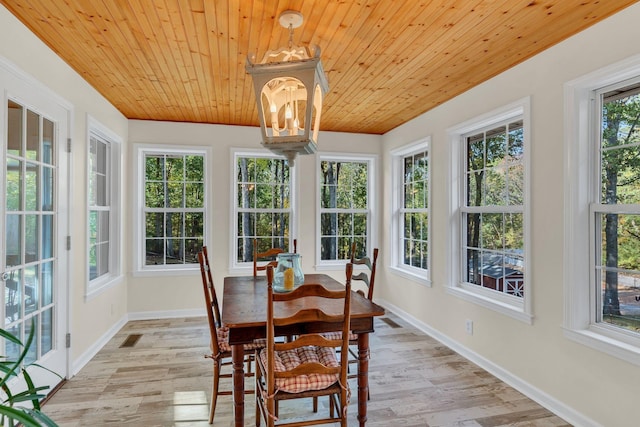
pixel 372 235
pixel 114 276
pixel 236 267
pixel 139 268
pixel 396 247
pixel 581 155
pixel 517 308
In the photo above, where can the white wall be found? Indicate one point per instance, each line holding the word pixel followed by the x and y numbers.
pixel 584 385
pixel 158 295
pixel 90 320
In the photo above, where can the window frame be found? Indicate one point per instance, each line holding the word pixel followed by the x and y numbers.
pixel 515 307
pixel 236 267
pixel 140 150
pixel 419 275
pixel 372 235
pixel 581 183
pixel 114 275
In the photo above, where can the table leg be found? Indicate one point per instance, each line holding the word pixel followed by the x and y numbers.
pixel 363 377
pixel 237 356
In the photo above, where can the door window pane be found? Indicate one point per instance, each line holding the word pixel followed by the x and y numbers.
pixel 14 129
pixel 31 187
pixel 31 288
pixel 46 331
pixel 47 141
pixel 47 283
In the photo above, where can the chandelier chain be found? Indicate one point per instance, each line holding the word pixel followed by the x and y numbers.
pixel 290 35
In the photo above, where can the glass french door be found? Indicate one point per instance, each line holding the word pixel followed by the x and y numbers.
pixel 32 272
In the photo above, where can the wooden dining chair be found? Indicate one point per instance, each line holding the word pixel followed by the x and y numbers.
pixel 261 260
pixel 307 366
pixel 368 277
pixel 220 348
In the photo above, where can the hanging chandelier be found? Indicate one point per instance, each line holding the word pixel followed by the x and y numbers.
pixel 289 85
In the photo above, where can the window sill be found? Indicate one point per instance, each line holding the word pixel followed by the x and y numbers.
pixel 331 266
pixel 420 279
pixel 100 285
pixel 606 344
pixel 244 271
pixel 168 271
pixel 515 311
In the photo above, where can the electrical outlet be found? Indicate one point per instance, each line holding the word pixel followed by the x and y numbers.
pixel 468 325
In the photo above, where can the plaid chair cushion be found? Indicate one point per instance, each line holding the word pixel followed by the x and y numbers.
pixel 337 335
pixel 223 341
pixel 289 359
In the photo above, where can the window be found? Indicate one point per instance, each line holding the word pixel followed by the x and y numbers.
pixel 104 264
pixel 263 205
pixel 603 215
pixel 411 253
pixel 172 193
pixel 616 211
pixel 489 163
pixel 346 206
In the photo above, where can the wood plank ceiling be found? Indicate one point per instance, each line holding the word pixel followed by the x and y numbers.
pixel 387 61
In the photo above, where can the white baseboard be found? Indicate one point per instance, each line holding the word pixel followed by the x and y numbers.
pixel 85 357
pixel 560 409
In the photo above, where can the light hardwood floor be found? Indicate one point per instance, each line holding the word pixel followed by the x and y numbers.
pixel 164 380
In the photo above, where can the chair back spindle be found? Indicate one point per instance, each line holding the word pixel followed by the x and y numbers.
pixel 367 277
pixel 261 260
pixel 211 300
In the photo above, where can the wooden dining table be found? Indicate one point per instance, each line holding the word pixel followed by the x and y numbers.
pixel 244 312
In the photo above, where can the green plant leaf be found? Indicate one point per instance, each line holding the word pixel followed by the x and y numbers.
pixel 31 388
pixel 10 337
pixel 7 391
pixel 8 368
pixel 29 395
pixel 20 415
pixel 25 350
pixel 46 369
pixel 42 418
